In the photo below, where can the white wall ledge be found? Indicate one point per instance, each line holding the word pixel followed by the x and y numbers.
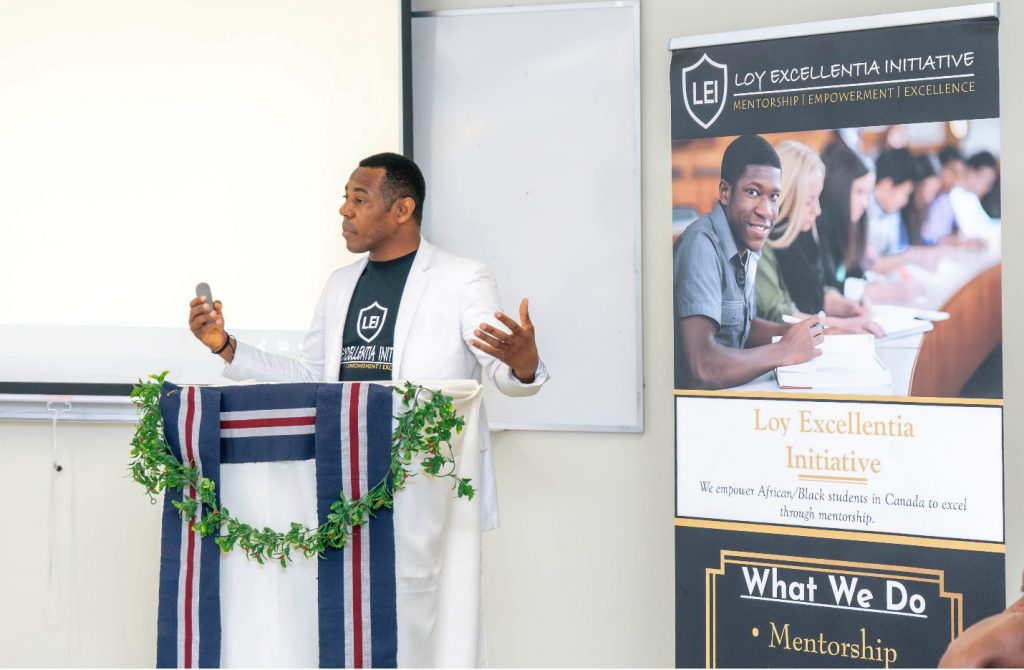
pixel 43 407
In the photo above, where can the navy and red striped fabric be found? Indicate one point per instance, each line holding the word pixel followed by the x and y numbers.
pixel 347 429
pixel 356 592
pixel 188 628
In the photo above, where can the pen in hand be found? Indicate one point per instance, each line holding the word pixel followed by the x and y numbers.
pixel 790 319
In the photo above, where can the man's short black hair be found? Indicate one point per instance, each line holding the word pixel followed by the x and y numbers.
pixel 402 179
pixel 949 154
pixel 895 164
pixel 982 159
pixel 925 165
pixel 747 150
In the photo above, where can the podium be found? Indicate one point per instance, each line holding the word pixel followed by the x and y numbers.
pixel 405 590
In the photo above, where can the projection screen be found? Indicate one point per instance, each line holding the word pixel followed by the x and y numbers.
pixel 146 146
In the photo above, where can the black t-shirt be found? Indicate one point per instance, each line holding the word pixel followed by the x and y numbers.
pixel 368 341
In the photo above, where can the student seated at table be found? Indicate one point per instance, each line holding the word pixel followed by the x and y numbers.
pixel 789 273
pixel 940 222
pixel 842 224
pixel 894 184
pixel 951 167
pixel 888 239
pixel 720 341
pixel 927 186
pixel 971 217
pixel 842 229
pixel 957 214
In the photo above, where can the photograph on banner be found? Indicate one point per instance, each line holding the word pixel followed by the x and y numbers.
pixel 888 236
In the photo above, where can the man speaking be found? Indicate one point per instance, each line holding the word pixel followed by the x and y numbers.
pixel 407 311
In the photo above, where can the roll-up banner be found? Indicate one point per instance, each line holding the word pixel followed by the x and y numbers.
pixel 838 331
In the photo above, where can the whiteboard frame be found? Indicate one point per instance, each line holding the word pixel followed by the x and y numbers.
pixel 638 425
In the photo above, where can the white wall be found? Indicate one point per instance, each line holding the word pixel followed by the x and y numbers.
pixel 581 572
pixel 100 607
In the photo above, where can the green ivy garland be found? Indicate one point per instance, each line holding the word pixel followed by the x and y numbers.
pixel 424 431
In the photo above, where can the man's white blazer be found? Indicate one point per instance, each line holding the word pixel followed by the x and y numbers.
pixel 445 299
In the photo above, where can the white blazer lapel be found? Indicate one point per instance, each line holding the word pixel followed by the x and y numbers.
pixel 414 287
pixel 334 322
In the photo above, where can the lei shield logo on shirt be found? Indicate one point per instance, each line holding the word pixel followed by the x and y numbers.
pixel 705 84
pixel 371 321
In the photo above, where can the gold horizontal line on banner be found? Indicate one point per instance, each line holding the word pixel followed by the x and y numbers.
pixel 829 478
pixel 850 535
pixel 892 399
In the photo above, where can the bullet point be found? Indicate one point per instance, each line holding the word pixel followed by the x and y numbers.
pixel 754 631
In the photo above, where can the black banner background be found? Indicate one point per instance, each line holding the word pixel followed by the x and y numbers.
pixel 865 46
pixel 977 575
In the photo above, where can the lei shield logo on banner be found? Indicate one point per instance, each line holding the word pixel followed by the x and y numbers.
pixel 704 88
pixel 371 321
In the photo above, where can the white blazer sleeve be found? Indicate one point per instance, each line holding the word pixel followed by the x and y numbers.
pixel 478 303
pixel 251 363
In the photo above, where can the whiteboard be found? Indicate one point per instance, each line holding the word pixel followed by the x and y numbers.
pixel 526 123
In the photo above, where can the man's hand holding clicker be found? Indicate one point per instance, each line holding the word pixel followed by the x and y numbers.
pixel 517 348
pixel 207 324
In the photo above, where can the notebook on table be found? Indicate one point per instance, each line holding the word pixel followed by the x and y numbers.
pixel 846 362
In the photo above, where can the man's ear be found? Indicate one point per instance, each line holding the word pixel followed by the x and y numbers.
pixel 724 190
pixel 404 208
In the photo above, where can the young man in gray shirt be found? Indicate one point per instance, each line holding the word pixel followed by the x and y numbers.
pixel 720 342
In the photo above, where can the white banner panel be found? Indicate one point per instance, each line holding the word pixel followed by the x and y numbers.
pixel 879 467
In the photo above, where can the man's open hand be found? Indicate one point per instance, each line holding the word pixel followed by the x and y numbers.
pixel 517 349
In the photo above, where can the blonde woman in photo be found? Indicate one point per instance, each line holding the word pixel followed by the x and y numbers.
pixel 790 275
